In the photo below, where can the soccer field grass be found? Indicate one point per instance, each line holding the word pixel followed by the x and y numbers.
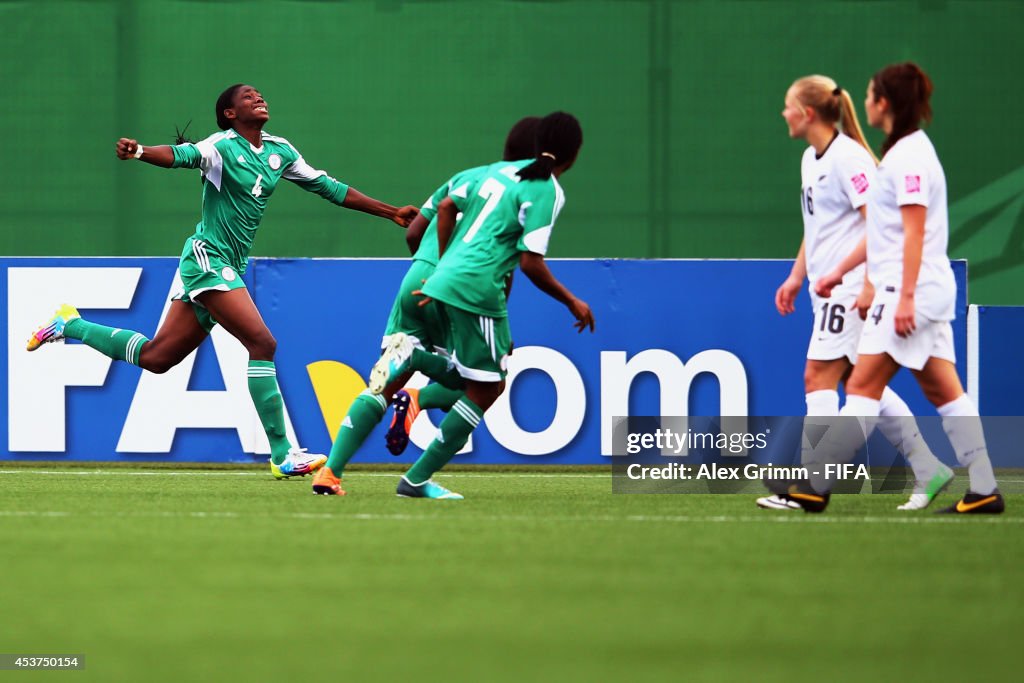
pixel 174 575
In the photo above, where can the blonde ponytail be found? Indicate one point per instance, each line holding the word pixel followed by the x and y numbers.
pixel 850 125
pixel 833 105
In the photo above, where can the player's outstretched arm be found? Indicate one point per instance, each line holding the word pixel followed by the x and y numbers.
pixel 536 268
pixel 161 155
pixel 354 199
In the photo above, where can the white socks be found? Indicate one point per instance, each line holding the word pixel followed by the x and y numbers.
pixel 963 427
pixel 824 402
pixel 900 428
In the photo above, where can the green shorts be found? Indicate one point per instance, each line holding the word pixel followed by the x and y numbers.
pixel 202 269
pixel 478 345
pixel 421 323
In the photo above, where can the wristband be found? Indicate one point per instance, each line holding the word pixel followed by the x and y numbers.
pixel 138 152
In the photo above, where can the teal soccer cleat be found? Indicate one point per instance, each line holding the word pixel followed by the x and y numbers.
pixel 428 489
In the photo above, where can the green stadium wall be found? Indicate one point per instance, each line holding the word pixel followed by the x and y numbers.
pixel 685 152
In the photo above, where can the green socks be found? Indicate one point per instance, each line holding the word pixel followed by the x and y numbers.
pixel 437 368
pixel 452 436
pixel 438 396
pixel 363 415
pixel 266 396
pixel 110 341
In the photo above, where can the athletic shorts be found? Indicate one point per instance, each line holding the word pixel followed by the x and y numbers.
pixel 931 338
pixel 202 269
pixel 478 345
pixel 837 326
pixel 422 324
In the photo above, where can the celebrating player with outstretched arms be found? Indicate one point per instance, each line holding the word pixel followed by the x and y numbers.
pixel 240 166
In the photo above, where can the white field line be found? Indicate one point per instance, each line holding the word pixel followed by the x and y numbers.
pixel 251 473
pixel 767 518
pixel 354 475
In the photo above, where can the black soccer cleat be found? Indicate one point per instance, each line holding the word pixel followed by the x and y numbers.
pixel 808 499
pixel 977 504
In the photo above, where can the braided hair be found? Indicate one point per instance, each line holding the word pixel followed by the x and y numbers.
pixel 559 137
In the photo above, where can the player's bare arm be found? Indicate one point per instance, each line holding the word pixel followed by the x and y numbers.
pixel 161 155
pixel 913 247
pixel 823 287
pixel 536 268
pixel 414 233
pixel 358 201
pixel 786 294
pixel 447 212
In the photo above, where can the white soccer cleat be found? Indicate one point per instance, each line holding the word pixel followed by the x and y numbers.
pixel 921 499
pixel 918 501
pixel 298 463
pixel 392 362
pixel 776 502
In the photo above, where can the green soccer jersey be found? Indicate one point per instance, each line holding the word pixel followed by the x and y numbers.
pixel 502 216
pixel 237 181
pixel 428 243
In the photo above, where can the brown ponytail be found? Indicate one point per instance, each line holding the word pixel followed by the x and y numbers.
pixel 908 89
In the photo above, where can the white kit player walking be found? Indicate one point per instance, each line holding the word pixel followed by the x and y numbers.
pixel 837 173
pixel 909 324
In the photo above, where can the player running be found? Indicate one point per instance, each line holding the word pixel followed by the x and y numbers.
pixel 837 173
pixel 909 324
pixel 424 331
pixel 508 215
pixel 240 168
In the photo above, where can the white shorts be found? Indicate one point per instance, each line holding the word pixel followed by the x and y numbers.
pixel 930 339
pixel 837 327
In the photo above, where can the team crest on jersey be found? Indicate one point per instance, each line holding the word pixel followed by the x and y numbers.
pixel 860 183
pixel 913 183
pixel 228 274
pixel 274 161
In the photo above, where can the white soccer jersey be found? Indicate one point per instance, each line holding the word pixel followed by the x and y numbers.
pixel 910 173
pixel 833 188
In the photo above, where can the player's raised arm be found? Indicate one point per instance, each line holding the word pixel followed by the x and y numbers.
pixel 160 155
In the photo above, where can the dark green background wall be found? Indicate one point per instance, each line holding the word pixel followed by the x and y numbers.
pixel 686 154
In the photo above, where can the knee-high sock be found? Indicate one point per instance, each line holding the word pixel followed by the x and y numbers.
pixel 821 403
pixel 962 425
pixel 900 428
pixel 455 429
pixel 843 439
pixel 363 415
pixel 438 396
pixel 266 396
pixel 112 342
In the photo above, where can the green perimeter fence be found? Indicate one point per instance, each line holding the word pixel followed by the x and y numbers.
pixel 685 154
